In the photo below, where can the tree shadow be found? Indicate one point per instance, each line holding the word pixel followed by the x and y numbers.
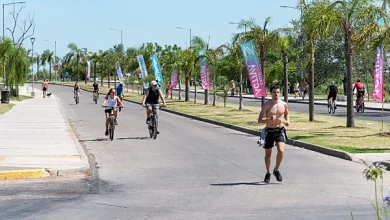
pixel 243 183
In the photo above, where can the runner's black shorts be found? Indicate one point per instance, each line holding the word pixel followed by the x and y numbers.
pixel 44 89
pixel 274 135
pixel 333 96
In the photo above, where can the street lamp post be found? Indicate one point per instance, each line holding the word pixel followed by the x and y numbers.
pixel 13 3
pixel 112 29
pixel 32 65
pixel 189 29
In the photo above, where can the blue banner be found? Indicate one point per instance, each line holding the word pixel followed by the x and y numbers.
pixel 157 72
pixel 119 73
pixel 144 70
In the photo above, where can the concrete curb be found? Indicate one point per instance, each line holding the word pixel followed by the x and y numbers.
pixel 306 103
pixel 300 144
pixel 85 167
pixel 23 174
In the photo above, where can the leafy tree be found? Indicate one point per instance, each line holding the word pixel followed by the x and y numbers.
pixel 75 57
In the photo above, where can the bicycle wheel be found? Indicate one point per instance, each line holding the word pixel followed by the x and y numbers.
pixel 77 99
pixel 112 127
pixel 151 128
pixel 329 108
pixel 155 126
pixel 362 107
pixel 334 108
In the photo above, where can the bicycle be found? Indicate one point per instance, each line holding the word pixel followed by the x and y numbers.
pixel 95 96
pixel 76 97
pixel 332 106
pixel 111 124
pixel 153 123
pixel 360 104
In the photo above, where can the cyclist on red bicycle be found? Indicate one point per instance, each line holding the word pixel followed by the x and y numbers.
pixel 359 86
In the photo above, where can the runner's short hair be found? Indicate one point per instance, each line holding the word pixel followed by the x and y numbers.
pixel 274 87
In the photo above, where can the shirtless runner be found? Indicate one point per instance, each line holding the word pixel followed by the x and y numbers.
pixel 275 115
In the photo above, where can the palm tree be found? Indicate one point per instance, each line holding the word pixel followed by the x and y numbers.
pixel 186 64
pixel 234 51
pixel 314 27
pixel 47 56
pixel 198 43
pixel 95 58
pixel 213 57
pixel 76 56
pixel 348 15
pixel 263 38
pixel 284 47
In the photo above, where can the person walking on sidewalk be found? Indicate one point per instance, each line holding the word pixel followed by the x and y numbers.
pixel 119 92
pixel 272 114
pixel 45 85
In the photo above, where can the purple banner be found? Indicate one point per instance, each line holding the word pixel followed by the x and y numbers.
pixel 254 71
pixel 377 90
pixel 204 71
pixel 174 79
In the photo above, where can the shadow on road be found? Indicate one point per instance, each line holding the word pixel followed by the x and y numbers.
pixel 238 184
pixel 134 138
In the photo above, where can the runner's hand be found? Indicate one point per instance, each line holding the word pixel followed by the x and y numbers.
pixel 143 105
pixel 287 123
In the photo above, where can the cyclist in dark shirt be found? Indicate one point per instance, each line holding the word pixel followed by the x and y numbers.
pixel 333 90
pixel 151 97
pixel 95 89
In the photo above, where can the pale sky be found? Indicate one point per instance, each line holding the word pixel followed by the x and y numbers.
pixel 87 22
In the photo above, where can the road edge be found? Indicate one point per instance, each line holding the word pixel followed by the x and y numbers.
pixel 85 167
pixel 316 148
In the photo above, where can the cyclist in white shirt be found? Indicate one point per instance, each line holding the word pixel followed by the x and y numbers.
pixel 111 101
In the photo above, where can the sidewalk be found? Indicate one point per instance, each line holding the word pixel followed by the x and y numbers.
pixel 368 105
pixel 36 140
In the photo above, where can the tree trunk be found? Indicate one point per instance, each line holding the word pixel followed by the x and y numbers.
pixel 285 69
pixel 109 83
pixel 206 96
pixel 187 95
pixel 348 64
pixel 215 90
pixel 178 79
pixel 94 72
pixel 196 92
pixel 50 71
pixel 115 74
pixel 101 77
pixel 311 81
pixel 78 72
pixel 240 94
pixel 262 64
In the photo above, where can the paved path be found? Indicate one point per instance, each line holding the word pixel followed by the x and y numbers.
pixel 35 134
pixel 193 170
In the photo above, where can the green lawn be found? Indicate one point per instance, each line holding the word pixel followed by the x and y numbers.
pixel 325 131
pixel 5 107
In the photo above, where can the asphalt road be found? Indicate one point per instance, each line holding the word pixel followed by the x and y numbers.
pixel 193 170
pixel 341 112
